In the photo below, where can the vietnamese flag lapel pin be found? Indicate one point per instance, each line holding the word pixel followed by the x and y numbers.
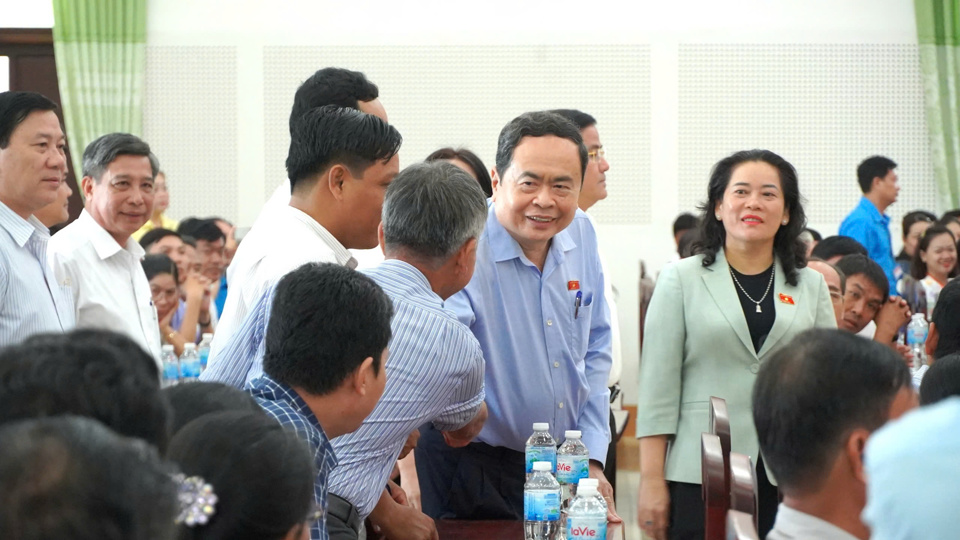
pixel 573 285
pixel 786 299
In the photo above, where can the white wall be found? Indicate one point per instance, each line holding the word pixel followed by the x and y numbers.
pixel 674 85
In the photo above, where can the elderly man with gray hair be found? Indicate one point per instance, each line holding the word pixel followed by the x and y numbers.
pixel 95 255
pixel 433 215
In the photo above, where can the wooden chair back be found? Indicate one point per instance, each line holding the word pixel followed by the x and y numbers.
pixel 716 498
pixel 743 485
pixel 720 426
pixel 740 526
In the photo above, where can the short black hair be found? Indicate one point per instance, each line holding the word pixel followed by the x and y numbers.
pixel 332 86
pixel 687 241
pixel 912 218
pixel 15 107
pixel 99 154
pixel 955 214
pixel 685 222
pixel 581 119
pixel 946 316
pixel 537 124
pixel 326 320
pixel 205 229
pixel 852 265
pixel 873 167
pixel 812 393
pixel 191 401
pixel 814 234
pixel 330 135
pixel 71 477
pixel 158 263
pixel 471 159
pixel 833 246
pixel 155 235
pixel 942 380
pixel 843 277
pixel 94 373
pixel 261 473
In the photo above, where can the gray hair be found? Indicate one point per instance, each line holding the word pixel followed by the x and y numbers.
pixel 100 153
pixel 431 210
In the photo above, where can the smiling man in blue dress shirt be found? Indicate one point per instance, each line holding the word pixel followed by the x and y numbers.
pixel 547 354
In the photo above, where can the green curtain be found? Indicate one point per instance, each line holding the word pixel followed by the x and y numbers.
pixel 938 30
pixel 100 49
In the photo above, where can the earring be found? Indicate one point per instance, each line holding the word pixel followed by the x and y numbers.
pixel 718 217
pixel 784 222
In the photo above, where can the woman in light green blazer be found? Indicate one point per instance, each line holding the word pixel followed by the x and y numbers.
pixel 713 319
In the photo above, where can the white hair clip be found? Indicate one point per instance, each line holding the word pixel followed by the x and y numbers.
pixel 197 500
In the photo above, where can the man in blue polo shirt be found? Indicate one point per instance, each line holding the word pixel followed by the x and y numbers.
pixel 867 223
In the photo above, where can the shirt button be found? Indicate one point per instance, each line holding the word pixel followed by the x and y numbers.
pixel 561 405
pixel 549 322
pixel 754 368
pixel 556 364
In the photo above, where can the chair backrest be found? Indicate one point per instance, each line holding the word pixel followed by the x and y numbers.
pixel 720 426
pixel 743 485
pixel 740 526
pixel 716 498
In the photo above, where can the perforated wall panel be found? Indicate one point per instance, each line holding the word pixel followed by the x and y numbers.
pixel 190 121
pixel 462 96
pixel 823 107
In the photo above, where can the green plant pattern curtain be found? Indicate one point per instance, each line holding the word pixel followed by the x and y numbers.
pixel 938 31
pixel 100 49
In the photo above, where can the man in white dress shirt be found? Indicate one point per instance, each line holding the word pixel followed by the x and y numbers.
pixel 816 402
pixel 340 164
pixel 95 254
pixel 32 168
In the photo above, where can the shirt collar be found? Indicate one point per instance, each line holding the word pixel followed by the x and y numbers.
pixel 504 247
pixel 104 244
pixel 21 229
pixel 804 525
pixel 272 390
pixel 408 273
pixel 342 254
pixel 867 206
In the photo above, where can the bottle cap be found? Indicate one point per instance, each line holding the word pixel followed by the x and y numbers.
pixel 542 466
pixel 189 346
pixel 572 434
pixel 915 316
pixel 541 426
pixel 167 348
pixel 589 482
pixel 207 335
pixel 587 490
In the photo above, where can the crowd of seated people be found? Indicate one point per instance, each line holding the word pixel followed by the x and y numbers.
pixel 347 399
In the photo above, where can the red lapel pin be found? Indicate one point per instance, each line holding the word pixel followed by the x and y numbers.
pixel 786 299
pixel 573 285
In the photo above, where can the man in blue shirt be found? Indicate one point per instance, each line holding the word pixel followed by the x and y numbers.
pixel 536 306
pixel 867 223
pixel 324 371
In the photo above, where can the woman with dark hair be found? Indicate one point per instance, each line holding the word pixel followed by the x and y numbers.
pixel 162 274
pixel 934 263
pixel 468 161
pixel 245 477
pixel 914 224
pixel 713 319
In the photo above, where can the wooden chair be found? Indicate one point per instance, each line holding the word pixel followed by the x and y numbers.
pixel 720 426
pixel 716 498
pixel 743 486
pixel 740 526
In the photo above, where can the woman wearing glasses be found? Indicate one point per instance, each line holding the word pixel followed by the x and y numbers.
pixel 713 319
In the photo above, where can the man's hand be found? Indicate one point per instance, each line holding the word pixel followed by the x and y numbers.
pixel 892 315
pixel 410 444
pixel 399 522
pixel 606 490
pixel 462 437
pixel 397 493
pixel 905 353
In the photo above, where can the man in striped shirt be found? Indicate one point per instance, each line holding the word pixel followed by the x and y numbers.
pixel 433 216
pixel 324 362
pixel 33 165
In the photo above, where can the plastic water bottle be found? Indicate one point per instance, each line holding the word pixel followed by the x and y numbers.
pixel 204 350
pixel 189 363
pixel 171 367
pixel 573 463
pixel 541 447
pixel 541 504
pixel 587 515
pixel 916 340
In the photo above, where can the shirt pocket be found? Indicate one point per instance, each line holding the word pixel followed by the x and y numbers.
pixel 582 317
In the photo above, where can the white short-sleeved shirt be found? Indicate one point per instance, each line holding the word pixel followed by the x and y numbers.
pixel 110 289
